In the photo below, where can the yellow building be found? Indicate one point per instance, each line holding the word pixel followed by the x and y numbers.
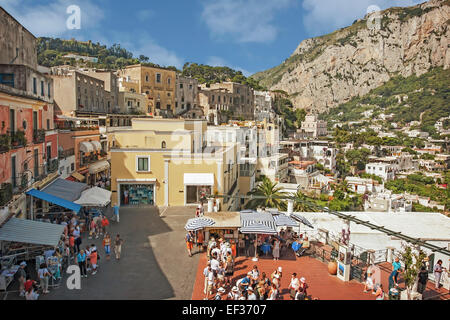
pixel 158 84
pixel 166 162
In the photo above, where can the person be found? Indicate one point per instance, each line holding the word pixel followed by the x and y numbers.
pixel 276 277
pixel 247 245
pixel 221 294
pixel 118 246
pixel 105 223
pixel 215 264
pixel 379 294
pixel 273 292
pixel 300 294
pixel 29 284
pixel 245 282
pixel 221 274
pixel 200 239
pixel 396 266
pixel 368 285
pixel 107 246
pixel 437 273
pixel 205 273
pixel 77 236
pixel 233 249
pixel 215 252
pixel 81 260
pixel 304 285
pixel 423 278
pixel 44 274
pixel 294 286
pixel 189 243
pixel 251 295
pixel 125 196
pixel 116 212
pixel 276 249
pixel 254 275
pixel 87 251
pixel 94 258
pixel 209 290
pixel 22 276
pixel 234 294
pixel 31 293
pixel 93 229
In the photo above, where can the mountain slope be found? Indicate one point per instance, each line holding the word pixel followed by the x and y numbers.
pixel 326 71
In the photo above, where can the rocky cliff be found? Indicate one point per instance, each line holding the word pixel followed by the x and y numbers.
pixel 326 71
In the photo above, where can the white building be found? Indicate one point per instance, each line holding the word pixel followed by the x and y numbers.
pixel 362 186
pixel 385 171
pixel 314 127
pixel 274 167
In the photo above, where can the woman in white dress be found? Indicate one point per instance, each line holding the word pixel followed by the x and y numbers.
pixel 276 250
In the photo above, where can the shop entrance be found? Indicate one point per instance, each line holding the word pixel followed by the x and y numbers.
pixel 137 194
pixel 196 193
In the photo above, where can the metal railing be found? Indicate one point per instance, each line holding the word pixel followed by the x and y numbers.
pixel 38 136
pixel 66 153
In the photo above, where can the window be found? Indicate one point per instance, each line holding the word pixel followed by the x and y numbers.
pixel 143 164
pixel 158 105
pixel 190 87
pixel 181 86
pixel 168 81
pixel 49 89
pixel 168 94
pixel 146 78
pixel 48 124
pixel 163 145
pixel 42 89
pixel 34 86
pixel 72 166
pixel 158 78
pixel 7 79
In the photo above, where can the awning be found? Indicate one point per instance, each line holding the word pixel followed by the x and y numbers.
pixel 78 176
pixel 196 224
pixel 199 179
pixel 65 189
pixel 257 223
pixel 54 200
pixel 97 145
pixel 86 147
pixel 32 232
pixel 95 197
pixel 99 167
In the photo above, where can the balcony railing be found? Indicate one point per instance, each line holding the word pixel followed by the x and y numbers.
pixel 5 143
pixel 18 139
pixel 38 136
pixel 66 153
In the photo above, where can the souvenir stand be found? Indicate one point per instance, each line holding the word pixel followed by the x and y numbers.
pixel 226 225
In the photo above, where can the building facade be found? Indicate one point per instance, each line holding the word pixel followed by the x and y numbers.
pixel 186 95
pixel 156 83
pixel 313 127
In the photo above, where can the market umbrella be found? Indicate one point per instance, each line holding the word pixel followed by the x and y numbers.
pixel 302 219
pixel 196 224
pixel 258 227
pixel 282 220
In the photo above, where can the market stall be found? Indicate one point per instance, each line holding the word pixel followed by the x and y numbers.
pixel 257 223
pixel 226 225
pixel 22 240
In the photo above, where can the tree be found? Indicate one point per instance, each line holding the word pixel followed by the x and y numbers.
pixel 143 58
pixel 268 195
pixel 412 257
pixel 301 202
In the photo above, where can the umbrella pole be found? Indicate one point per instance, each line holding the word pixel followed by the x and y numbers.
pixel 256 246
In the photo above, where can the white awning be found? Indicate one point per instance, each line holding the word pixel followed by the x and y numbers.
pixel 97 145
pixel 199 179
pixel 86 147
pixel 99 167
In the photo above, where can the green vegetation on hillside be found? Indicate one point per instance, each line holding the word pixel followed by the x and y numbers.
pixel 406 98
pixel 51 53
pixel 208 74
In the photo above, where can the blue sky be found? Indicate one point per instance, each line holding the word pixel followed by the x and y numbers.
pixel 249 35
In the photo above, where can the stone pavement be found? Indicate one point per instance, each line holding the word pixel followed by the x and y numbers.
pixel 154 263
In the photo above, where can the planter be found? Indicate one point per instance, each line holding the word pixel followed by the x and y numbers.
pixel 332 268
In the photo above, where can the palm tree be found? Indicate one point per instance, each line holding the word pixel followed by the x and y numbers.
pixel 301 202
pixel 267 194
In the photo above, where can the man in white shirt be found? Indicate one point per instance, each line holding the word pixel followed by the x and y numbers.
pixel 216 253
pixel 209 290
pixel 205 273
pixel 294 286
pixel 251 294
pixel 215 265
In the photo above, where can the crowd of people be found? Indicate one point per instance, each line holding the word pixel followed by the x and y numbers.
pixel 255 285
pixel 70 251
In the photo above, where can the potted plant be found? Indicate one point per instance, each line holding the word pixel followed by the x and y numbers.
pixel 332 267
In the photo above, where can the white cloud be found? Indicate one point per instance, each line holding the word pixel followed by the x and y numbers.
pixel 50 19
pixel 323 16
pixel 244 20
pixel 215 61
pixel 144 15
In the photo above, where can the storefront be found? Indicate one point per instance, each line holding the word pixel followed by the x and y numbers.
pixel 99 171
pixel 226 225
pixel 198 186
pixel 135 194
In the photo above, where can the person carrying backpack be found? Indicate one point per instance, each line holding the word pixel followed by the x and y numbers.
pixel 189 242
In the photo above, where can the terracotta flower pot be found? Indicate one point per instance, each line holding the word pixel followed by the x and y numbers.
pixel 332 268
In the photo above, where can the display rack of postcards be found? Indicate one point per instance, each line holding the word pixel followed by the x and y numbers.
pixel 9 268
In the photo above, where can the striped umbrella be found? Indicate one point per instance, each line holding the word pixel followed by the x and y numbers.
pixel 258 227
pixel 282 220
pixel 302 219
pixel 196 224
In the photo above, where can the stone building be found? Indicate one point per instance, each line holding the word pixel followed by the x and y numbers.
pixel 263 106
pixel 223 101
pixel 157 83
pixel 17 44
pixel 79 94
pixel 186 96
pixel 314 127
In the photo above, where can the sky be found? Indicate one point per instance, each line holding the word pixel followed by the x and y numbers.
pixel 247 35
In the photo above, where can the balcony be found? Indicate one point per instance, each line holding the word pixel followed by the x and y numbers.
pixel 6 193
pixel 5 143
pixel 38 136
pixel 18 139
pixel 66 153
